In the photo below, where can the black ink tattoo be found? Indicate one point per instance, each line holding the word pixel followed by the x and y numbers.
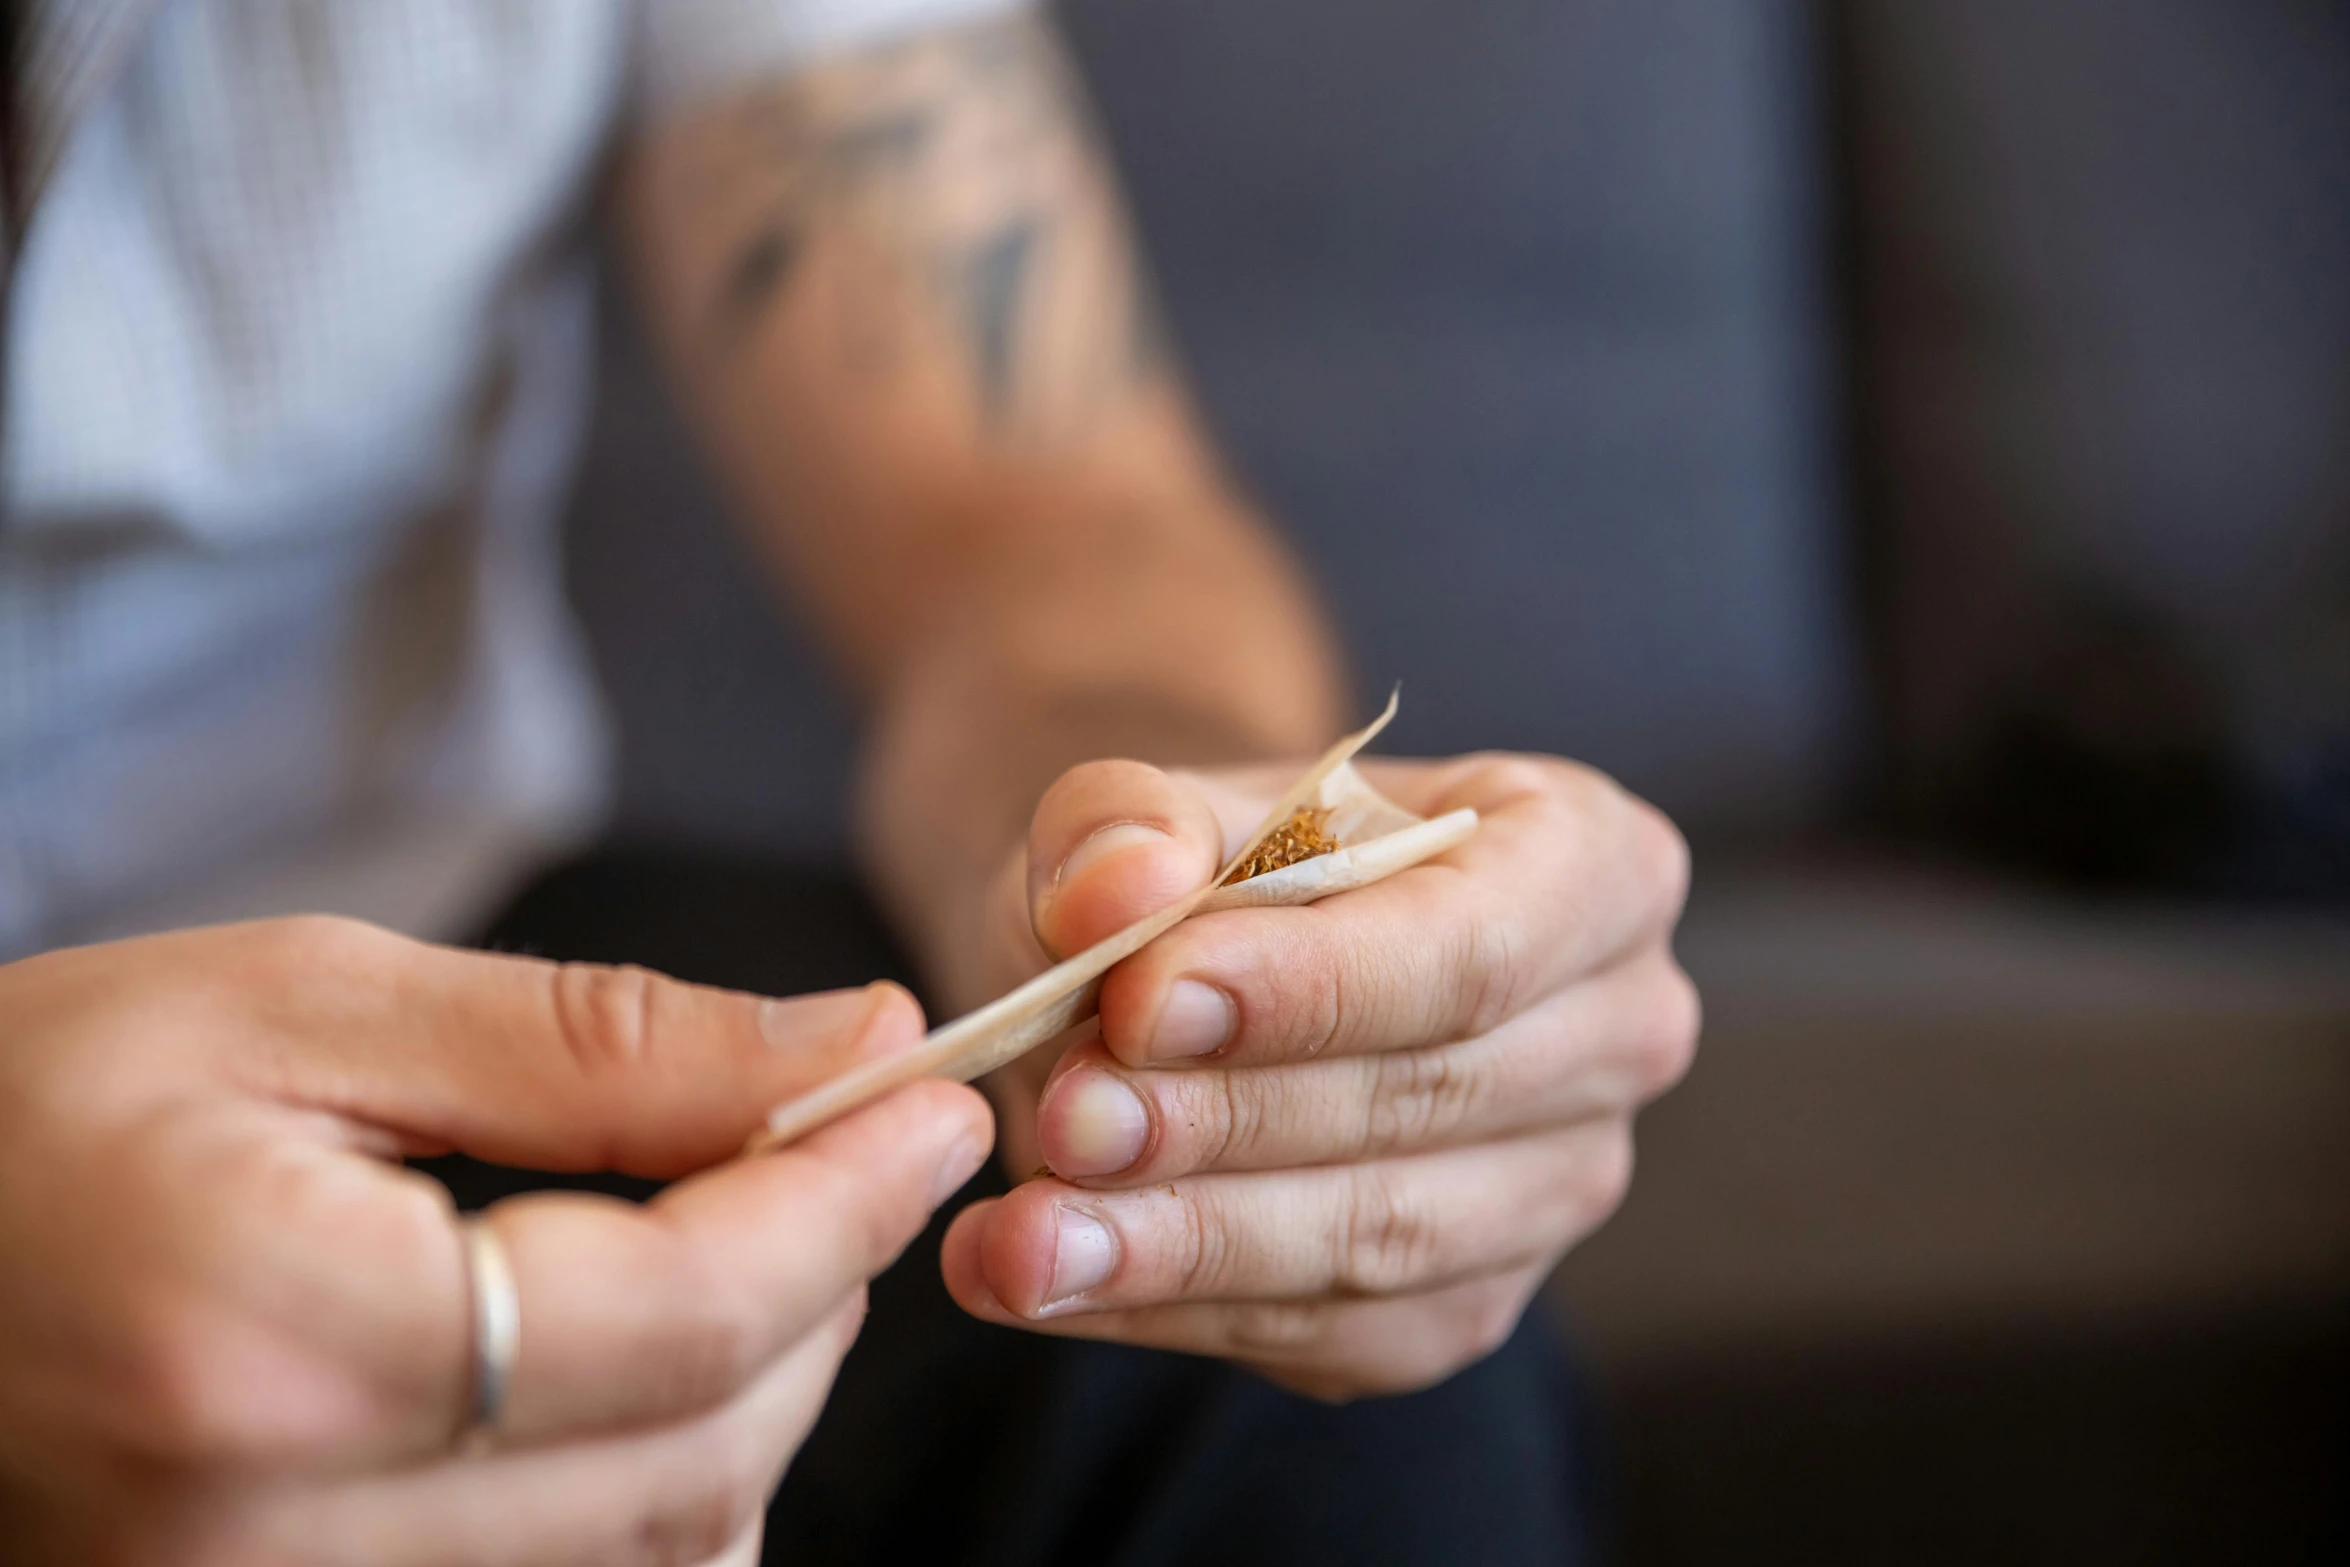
pixel 993 277
pixel 759 273
pixel 890 143
pixel 963 167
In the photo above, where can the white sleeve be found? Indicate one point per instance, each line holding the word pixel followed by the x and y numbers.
pixel 689 51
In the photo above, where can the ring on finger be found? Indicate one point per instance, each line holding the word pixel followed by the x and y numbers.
pixel 497 1330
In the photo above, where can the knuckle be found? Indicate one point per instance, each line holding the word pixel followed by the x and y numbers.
pixel 164 1375
pixel 1411 1367
pixel 189 1413
pixel 1515 774
pixel 1322 1015
pixel 1474 1325
pixel 604 1015
pixel 1491 1317
pixel 1472 1330
pixel 1669 1043
pixel 1663 857
pixel 1573 789
pixel 1308 1012
pixel 1406 1346
pixel 305 946
pixel 1606 1178
pixel 1334 1387
pixel 1204 1252
pixel 719 1339
pixel 708 1514
pixel 885 1216
pixel 726 1347
pixel 1239 1117
pixel 414 1229
pixel 1489 969
pixel 1278 1329
pixel 1387 1243
pixel 1418 1097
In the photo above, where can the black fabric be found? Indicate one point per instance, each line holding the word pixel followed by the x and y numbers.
pixel 949 1441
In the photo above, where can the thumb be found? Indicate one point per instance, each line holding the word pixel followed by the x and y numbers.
pixel 561 1066
pixel 1112 842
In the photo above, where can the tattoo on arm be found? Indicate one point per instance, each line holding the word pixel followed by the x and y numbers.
pixel 957 183
pixel 994 277
pixel 759 270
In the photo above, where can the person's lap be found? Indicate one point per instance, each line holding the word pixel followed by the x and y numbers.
pixel 952 1441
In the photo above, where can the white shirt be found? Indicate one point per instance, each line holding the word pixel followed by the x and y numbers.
pixel 299 354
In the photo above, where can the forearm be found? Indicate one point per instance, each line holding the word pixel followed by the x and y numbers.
pixel 902 297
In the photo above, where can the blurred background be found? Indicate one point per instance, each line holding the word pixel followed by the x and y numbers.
pixel 1910 442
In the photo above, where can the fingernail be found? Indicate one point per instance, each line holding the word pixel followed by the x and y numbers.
pixel 961 1163
pixel 1084 1253
pixel 837 1020
pixel 1099 1124
pixel 1107 841
pixel 1194 1020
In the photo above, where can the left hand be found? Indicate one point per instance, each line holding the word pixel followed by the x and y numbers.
pixel 1342 1144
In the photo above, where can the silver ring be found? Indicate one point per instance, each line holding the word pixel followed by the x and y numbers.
pixel 497 1326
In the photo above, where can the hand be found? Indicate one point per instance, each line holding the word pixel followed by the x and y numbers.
pixel 233 1329
pixel 1345 1143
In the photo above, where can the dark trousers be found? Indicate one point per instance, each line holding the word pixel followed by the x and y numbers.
pixel 949 1441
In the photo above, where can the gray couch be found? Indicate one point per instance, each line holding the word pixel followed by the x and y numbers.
pixel 1829 421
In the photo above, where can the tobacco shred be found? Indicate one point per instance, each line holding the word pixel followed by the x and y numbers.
pixel 1302 837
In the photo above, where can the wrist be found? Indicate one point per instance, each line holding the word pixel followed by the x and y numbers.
pixel 952 775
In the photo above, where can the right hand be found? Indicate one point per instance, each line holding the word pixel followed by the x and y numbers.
pixel 233 1329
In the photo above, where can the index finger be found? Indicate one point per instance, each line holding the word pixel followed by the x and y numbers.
pixel 634 1314
pixel 1565 873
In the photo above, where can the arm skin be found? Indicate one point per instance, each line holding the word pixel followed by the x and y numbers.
pixel 1341 1144
pixel 902 299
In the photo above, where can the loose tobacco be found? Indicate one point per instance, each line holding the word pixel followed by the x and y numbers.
pixel 1302 837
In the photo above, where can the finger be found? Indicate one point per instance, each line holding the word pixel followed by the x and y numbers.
pixel 1609 1044
pixel 683 1492
pixel 520 1061
pixel 325 1321
pixel 746 1550
pixel 1565 874
pixel 1112 842
pixel 1396 1227
pixel 1330 1349
pixel 632 1314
